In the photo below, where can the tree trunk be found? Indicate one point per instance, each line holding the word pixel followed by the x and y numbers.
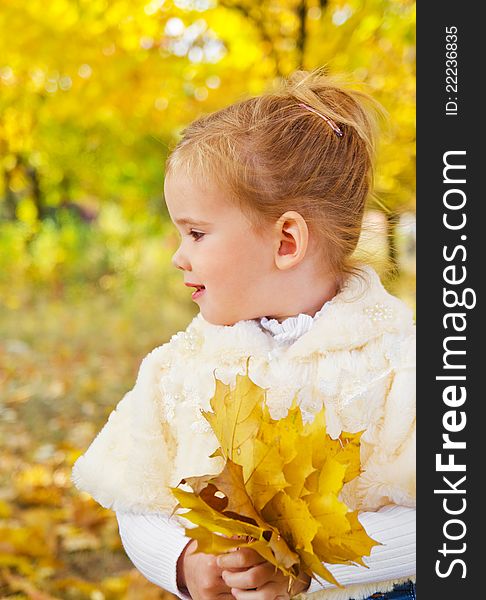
pixel 259 23
pixel 10 198
pixel 302 34
pixel 33 176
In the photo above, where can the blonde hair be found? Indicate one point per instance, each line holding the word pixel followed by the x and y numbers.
pixel 272 155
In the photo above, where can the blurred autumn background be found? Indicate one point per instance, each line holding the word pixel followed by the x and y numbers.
pixel 93 93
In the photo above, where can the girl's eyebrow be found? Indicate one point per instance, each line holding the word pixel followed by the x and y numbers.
pixel 187 221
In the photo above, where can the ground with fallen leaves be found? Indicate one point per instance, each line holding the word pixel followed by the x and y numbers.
pixel 64 364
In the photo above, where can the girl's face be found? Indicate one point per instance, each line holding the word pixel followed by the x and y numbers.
pixel 220 251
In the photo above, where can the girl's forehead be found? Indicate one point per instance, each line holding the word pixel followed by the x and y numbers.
pixel 191 202
pixel 181 186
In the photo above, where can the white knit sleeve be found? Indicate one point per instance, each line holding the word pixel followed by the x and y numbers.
pixel 393 526
pixel 154 543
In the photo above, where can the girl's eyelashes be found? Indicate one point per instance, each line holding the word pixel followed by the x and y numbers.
pixel 197 235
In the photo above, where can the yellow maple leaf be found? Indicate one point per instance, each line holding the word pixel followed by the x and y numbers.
pixel 236 416
pixel 284 433
pixel 262 471
pixel 293 519
pixel 349 454
pixel 200 513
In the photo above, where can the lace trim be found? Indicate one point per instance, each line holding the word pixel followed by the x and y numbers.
pixel 291 328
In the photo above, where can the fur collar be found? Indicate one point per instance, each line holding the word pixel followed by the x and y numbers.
pixel 361 311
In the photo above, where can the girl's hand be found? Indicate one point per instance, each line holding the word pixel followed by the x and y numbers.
pixel 250 577
pixel 200 575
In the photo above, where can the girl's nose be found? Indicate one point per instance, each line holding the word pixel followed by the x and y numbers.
pixel 179 261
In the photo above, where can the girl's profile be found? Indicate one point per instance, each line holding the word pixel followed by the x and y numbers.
pixel 268 197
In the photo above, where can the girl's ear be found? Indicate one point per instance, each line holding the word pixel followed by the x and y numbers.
pixel 291 239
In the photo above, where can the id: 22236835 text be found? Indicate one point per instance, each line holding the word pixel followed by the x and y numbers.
pixel 451 55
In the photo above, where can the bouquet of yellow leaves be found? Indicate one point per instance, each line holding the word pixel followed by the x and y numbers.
pixel 278 490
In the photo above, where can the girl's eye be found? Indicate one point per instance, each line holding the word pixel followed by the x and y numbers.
pixel 197 235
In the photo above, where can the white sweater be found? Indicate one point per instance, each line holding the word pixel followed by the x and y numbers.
pixel 154 543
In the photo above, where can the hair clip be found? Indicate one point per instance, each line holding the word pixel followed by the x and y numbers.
pixel 329 121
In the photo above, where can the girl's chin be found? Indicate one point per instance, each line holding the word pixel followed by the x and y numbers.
pixel 216 319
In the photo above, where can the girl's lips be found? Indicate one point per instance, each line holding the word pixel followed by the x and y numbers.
pixel 198 293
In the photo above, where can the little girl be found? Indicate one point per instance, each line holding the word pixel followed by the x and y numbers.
pixel 268 195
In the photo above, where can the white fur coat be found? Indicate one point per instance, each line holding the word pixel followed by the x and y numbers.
pixel 358 359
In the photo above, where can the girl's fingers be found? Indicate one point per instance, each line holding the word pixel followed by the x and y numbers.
pixel 240 559
pixel 253 577
pixel 270 591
